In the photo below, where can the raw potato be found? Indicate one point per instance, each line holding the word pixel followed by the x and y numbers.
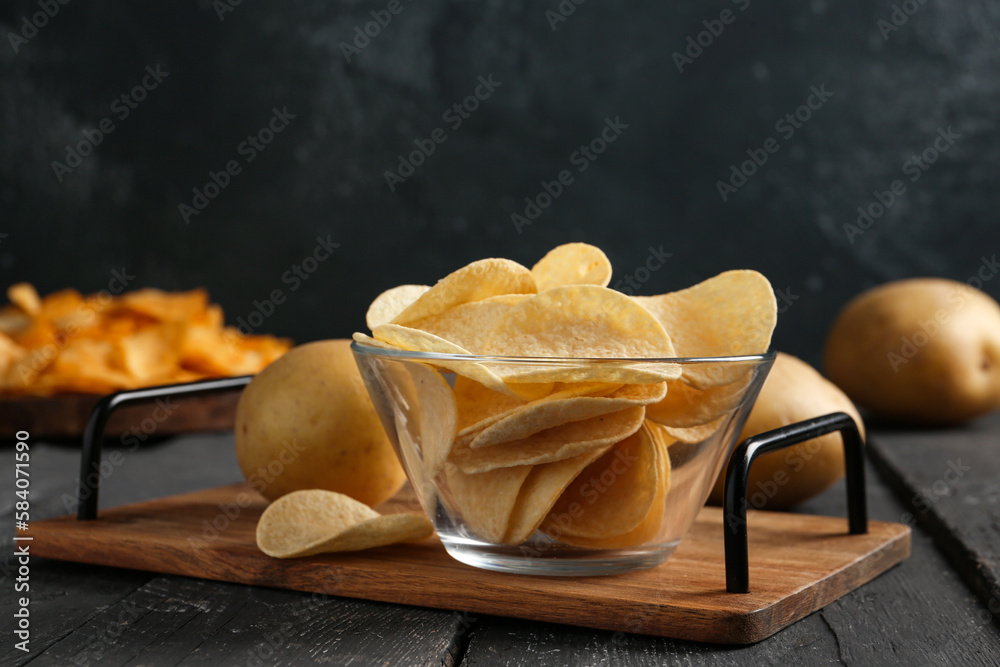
pixel 925 350
pixel 792 392
pixel 306 422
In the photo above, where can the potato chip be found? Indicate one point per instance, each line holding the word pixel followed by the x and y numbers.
pixel 102 343
pixel 572 264
pixel 554 444
pixel 615 493
pixel 313 521
pixel 732 314
pixel 564 407
pixel 579 321
pixel 685 405
pixel 486 499
pixel 149 356
pixel 540 490
pixel 696 433
pixel 435 404
pixel 165 306
pixel 480 406
pixel 391 303
pixel 478 280
pixel 468 324
pixel 648 530
pixel 25 297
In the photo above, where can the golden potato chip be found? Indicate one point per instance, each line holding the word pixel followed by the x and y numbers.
pixel 486 499
pixel 479 406
pixel 564 407
pixel 648 530
pixel 165 306
pixel 24 296
pixel 313 521
pixel 579 321
pixel 554 444
pixel 572 264
pixel 102 343
pixel 543 486
pixel 685 405
pixel 415 340
pixel 438 414
pixel 150 356
pixel 695 433
pixel 614 494
pixel 478 280
pixel 467 324
pixel 391 303
pixel 732 314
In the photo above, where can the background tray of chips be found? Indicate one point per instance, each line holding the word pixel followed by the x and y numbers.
pixel 64 416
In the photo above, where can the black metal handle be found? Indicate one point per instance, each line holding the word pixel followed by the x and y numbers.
pixel 735 503
pixel 93 434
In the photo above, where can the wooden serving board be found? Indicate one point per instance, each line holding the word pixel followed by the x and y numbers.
pixel 65 416
pixel 798 564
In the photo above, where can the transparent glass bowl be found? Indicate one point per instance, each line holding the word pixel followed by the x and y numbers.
pixel 618 506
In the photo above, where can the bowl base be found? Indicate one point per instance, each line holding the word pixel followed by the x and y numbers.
pixel 546 558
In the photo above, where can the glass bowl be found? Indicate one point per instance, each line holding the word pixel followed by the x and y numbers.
pixel 558 466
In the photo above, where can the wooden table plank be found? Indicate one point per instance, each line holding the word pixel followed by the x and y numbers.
pixel 918 613
pixel 798 564
pixel 77 609
pixel 949 482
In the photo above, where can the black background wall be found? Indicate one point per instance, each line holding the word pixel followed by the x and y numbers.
pixel 224 70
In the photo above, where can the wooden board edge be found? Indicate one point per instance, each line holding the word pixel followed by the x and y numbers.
pixel 720 628
pixel 761 624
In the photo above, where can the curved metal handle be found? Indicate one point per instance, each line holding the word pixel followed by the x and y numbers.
pixel 735 503
pixel 93 434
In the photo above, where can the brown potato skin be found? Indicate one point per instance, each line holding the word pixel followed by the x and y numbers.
pixel 920 351
pixel 793 391
pixel 306 422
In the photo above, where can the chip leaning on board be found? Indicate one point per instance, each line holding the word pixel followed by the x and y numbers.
pixel 67 342
pixel 523 442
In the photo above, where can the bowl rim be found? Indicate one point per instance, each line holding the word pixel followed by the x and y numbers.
pixel 414 355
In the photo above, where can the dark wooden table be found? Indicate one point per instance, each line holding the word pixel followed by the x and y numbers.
pixel 940 607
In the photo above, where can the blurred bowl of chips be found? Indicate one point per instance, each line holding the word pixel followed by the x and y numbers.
pixel 560 466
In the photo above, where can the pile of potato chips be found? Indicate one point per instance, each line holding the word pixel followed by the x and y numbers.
pixel 563 441
pixel 100 343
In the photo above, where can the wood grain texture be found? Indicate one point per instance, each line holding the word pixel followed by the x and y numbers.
pixel 798 564
pixel 949 482
pixel 65 416
pixel 918 613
